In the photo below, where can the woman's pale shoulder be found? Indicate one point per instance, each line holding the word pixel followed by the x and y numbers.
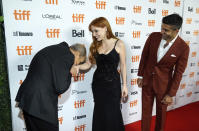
pixel 119 43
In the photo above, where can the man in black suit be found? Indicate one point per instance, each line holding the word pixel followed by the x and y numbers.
pixel 49 75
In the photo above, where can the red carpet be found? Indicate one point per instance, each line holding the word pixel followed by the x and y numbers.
pixel 185 118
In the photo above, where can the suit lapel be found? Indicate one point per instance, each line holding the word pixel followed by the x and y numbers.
pixel 158 40
pixel 172 49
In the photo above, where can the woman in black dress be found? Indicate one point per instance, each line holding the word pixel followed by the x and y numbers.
pixel 106 51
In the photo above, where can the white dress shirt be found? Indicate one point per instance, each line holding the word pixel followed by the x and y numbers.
pixel 161 50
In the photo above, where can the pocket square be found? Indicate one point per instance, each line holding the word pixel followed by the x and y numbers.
pixel 172 55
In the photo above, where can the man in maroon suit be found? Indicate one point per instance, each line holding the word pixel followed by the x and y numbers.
pixel 164 59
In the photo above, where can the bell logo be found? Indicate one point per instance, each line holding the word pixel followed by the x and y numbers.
pixel 195 32
pixel 52 33
pixel 197 83
pixel 191 74
pixel 135 58
pixel 60 119
pixel 197 10
pixel 182 86
pixel 79 18
pixel 133 82
pixel 53 2
pixel 137 9
pixel 100 5
pixel 193 54
pixel 120 20
pixel 79 77
pixel 136 34
pixel 80 128
pixel 189 94
pixel 21 15
pixel 79 104
pixel 151 23
pixel 133 103
pixel 187 42
pixel 188 20
pixel 152 1
pixel 24 50
pixel 165 12
pixel 177 3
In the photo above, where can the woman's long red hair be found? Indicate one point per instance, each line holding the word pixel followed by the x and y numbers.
pixel 99 22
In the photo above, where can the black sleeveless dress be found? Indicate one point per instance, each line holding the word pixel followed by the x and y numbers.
pixel 106 89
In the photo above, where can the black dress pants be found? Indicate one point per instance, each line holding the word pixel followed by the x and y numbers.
pixel 36 124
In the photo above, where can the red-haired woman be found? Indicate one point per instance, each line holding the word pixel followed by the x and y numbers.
pixel 106 51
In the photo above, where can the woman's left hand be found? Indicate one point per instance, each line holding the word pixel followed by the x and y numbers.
pixel 124 91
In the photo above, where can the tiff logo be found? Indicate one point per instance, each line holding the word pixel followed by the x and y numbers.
pixel 76 33
pixel 133 103
pixel 21 15
pixel 133 82
pixel 196 32
pixel 190 9
pixel 78 18
pixel 197 10
pixel 79 77
pixel 152 1
pixel 53 2
pixel 151 23
pixel 100 5
pixel 189 94
pixel 191 74
pixel 137 9
pixel 79 104
pixel 188 20
pixel 197 83
pixel 136 34
pixel 166 1
pixel 135 58
pixel 20 82
pixel 80 128
pixel 52 33
pixel 134 70
pixel 24 50
pixel 193 54
pixel 120 20
pixel 60 119
pixel 151 11
pixel 177 3
pixel 165 12
pixel 182 86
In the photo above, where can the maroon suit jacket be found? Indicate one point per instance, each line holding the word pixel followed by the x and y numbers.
pixel 167 73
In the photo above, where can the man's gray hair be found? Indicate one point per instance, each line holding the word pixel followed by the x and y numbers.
pixel 80 48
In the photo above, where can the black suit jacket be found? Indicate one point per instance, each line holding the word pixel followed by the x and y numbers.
pixel 48 76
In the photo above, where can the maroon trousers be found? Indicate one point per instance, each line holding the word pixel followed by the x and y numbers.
pixel 148 96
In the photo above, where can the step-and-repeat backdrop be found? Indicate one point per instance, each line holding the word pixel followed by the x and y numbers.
pixel 31 25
